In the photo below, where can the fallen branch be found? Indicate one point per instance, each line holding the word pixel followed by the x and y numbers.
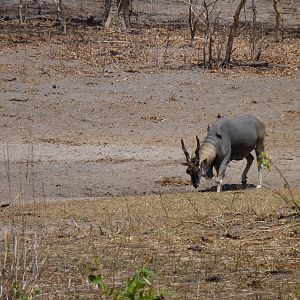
pixel 124 42
pixel 220 224
pixel 254 64
pixel 18 100
pixel 9 79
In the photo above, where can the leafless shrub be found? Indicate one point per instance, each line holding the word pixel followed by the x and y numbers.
pixel 20 263
pixel 257 36
pixel 204 13
pixel 218 45
pixel 22 177
pixel 60 12
pixel 291 199
pixel 193 19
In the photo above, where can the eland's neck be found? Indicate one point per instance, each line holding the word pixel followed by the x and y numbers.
pixel 208 149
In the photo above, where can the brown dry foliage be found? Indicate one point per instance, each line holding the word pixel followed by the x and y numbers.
pixel 144 49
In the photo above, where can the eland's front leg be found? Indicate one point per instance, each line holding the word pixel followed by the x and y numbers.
pixel 259 151
pixel 219 182
pixel 221 174
pixel 259 186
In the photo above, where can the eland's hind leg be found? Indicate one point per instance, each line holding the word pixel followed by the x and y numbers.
pixel 259 152
pixel 249 159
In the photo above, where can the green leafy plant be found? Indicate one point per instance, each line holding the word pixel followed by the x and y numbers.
pixel 266 161
pixel 137 288
pixel 295 295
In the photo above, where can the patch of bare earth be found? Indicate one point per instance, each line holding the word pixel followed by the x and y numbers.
pixel 101 93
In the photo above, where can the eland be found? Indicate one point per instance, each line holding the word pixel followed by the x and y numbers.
pixel 227 140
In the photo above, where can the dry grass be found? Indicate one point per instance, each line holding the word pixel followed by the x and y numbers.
pixel 237 245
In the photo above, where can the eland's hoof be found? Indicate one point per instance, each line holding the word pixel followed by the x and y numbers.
pixel 244 184
pixel 259 186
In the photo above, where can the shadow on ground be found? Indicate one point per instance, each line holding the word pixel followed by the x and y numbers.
pixel 229 187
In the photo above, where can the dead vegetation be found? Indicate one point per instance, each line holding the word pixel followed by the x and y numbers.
pixel 172 181
pixel 144 49
pixel 239 245
pixel 154 119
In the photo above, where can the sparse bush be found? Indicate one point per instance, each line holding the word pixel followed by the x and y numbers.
pixel 267 162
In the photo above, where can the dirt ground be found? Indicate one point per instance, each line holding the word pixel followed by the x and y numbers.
pixel 101 112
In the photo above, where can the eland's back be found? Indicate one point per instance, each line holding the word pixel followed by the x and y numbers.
pixel 241 134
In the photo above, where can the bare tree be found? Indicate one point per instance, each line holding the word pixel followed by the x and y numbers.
pixel 253 30
pixel 277 20
pixel 256 36
pixel 23 6
pixel 210 28
pixel 61 14
pixel 203 13
pixel 118 10
pixel 232 32
pixel 193 19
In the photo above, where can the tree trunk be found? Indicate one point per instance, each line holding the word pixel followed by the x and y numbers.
pixel 277 19
pixel 104 11
pixel 61 15
pixel 232 32
pixel 118 11
pixel 193 20
pixel 23 5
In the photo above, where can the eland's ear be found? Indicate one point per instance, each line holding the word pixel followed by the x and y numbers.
pixel 203 162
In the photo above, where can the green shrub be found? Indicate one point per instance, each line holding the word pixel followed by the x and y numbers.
pixel 137 288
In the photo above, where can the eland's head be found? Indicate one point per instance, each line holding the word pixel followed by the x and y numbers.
pixel 194 165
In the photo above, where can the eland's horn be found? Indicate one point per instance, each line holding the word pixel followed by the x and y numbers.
pixel 198 147
pixel 187 155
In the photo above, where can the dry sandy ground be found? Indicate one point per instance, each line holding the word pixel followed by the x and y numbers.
pixel 111 125
pixel 94 137
pixel 100 113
